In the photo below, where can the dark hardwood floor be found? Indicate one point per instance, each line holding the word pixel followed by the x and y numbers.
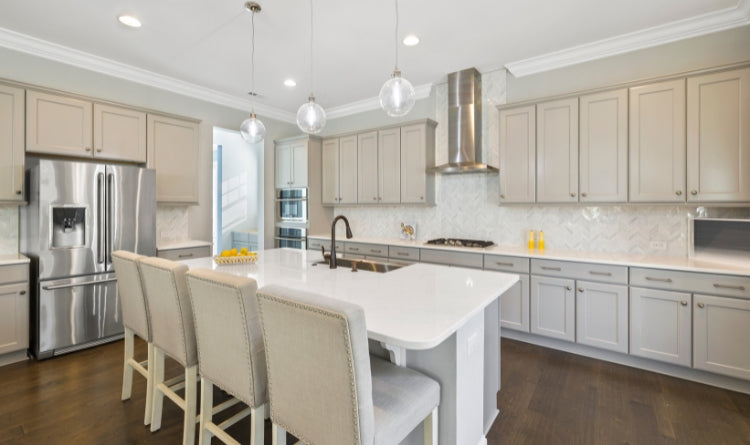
pixel 547 397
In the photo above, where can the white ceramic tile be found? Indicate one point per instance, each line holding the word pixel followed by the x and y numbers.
pixel 8 229
pixel 171 224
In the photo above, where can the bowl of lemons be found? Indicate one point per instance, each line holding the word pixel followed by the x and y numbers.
pixel 234 256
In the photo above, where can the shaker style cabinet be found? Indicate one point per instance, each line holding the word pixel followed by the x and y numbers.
pixel 553 307
pixel 718 137
pixel 514 303
pixel 119 133
pixel 417 155
pixel 721 332
pixel 657 142
pixel 557 151
pixel 291 164
pixel 518 155
pixel 339 170
pixel 379 167
pixel 660 325
pixel 58 125
pixel 11 144
pixel 14 308
pixel 173 153
pixel 603 163
pixel 367 168
pixel 602 315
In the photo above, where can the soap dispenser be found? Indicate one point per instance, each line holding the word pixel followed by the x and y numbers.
pixel 541 240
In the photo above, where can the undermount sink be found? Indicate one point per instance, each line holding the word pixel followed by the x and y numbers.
pixel 366 265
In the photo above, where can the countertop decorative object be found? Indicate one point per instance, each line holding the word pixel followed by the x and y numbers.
pixel 408 231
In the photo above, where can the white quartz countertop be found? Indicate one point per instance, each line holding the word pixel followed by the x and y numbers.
pixel 13 258
pixel 415 307
pixel 726 266
pixel 183 244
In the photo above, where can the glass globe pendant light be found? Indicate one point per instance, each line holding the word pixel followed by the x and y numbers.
pixel 252 129
pixel 397 93
pixel 311 117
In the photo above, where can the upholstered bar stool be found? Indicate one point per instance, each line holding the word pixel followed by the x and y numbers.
pixel 324 387
pixel 136 320
pixel 173 334
pixel 230 350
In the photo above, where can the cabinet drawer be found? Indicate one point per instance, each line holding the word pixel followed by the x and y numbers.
pixel 581 271
pixel 14 273
pixel 451 258
pixel 366 249
pixel 702 283
pixel 403 253
pixel 506 263
pixel 315 243
pixel 187 253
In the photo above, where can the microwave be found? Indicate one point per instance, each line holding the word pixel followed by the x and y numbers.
pixel 291 204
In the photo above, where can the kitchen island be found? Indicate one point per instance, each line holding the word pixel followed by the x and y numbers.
pixel 442 321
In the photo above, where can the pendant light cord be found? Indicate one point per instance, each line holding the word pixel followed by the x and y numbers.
pixel 252 60
pixel 395 36
pixel 312 83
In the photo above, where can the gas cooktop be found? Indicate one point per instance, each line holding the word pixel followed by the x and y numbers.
pixel 457 242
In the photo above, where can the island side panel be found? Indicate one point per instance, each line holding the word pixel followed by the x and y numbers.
pixel 491 363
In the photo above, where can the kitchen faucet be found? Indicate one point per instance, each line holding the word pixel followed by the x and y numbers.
pixel 333 238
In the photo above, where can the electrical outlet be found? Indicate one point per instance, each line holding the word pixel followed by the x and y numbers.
pixel 658 245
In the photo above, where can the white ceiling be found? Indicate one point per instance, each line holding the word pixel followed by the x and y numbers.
pixel 202 47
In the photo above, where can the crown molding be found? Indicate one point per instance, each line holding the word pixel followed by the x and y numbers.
pixel 372 103
pixel 63 54
pixel 670 32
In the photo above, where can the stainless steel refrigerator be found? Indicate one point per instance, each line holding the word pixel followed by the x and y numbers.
pixel 78 213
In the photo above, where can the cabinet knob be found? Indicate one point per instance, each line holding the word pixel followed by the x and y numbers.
pixel 683 302
pixel 374 198
pixel 701 305
pixel 583 194
pixel 23 292
pixel 19 192
pixel 421 198
pixel 88 148
pixel 580 289
pixel 99 150
pixel 693 192
pixel 379 198
pixel 568 288
pixel 502 196
pixel 678 192
pixel 572 195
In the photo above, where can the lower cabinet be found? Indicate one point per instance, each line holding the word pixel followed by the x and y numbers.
pixel 553 307
pixel 14 308
pixel 660 325
pixel 721 333
pixel 185 253
pixel 514 306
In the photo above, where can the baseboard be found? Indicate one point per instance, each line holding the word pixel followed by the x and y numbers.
pixel 14 357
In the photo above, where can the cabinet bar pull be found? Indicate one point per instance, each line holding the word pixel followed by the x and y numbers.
pixel 604 274
pixel 402 253
pixel 376 251
pixel 356 249
pixel 663 280
pixel 728 286
pixel 501 263
pixel 551 268
pixel 185 255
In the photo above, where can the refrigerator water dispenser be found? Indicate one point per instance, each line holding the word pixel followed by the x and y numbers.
pixel 68 227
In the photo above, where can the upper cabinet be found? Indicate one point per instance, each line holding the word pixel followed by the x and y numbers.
pixel 173 153
pixel 11 144
pixel 603 147
pixel 367 167
pixel 417 155
pixel 291 164
pixel 339 170
pixel 657 142
pixel 557 151
pixel 119 133
pixel 718 137
pixel 389 166
pixel 518 155
pixel 330 171
pixel 58 125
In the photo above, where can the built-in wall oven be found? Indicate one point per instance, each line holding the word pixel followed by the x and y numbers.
pixel 291 204
pixel 294 237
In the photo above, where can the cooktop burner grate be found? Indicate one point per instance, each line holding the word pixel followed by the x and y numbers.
pixel 457 242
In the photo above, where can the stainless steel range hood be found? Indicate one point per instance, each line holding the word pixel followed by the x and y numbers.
pixel 464 125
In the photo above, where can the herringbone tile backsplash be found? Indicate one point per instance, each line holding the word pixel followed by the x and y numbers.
pixel 8 229
pixel 171 223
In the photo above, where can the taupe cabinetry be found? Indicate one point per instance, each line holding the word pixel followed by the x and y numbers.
pixel 366 250
pixel 11 144
pixel 657 142
pixel 389 166
pixel 173 153
pixel 367 167
pixel 14 308
pixel 184 253
pixel 603 151
pixel 291 164
pixel 518 155
pixel 718 137
pixel 119 133
pixel 514 303
pixel 417 154
pixel 58 125
pixel 557 151
pixel 339 181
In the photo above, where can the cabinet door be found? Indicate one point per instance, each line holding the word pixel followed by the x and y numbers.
pixel 348 170
pixel 518 155
pixel 58 125
pixel 514 306
pixel 660 325
pixel 14 317
pixel 330 171
pixel 721 334
pixel 557 151
pixel 604 147
pixel 389 166
pixel 553 307
pixel 283 166
pixel 718 138
pixel 299 164
pixel 119 133
pixel 367 168
pixel 602 315
pixel 657 142
pixel 173 153
pixel 417 152
pixel 11 143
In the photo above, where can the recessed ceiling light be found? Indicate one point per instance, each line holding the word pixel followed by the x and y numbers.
pixel 290 83
pixel 129 20
pixel 411 40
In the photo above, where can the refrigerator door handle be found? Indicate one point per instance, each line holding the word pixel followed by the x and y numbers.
pixel 84 283
pixel 100 245
pixel 110 215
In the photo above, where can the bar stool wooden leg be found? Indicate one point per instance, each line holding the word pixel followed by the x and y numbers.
pixel 207 404
pixel 278 435
pixel 149 385
pixel 158 396
pixel 257 418
pixel 191 402
pixel 127 370
pixel 431 428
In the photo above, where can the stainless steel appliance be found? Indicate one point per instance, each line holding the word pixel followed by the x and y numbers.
pixel 294 237
pixel 78 213
pixel 291 204
pixel 458 242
